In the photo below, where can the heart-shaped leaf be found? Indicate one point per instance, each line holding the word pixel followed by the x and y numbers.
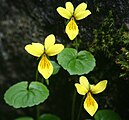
pixel 26 95
pixel 76 63
pixel 106 115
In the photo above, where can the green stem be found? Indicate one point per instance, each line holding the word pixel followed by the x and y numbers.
pixel 37 107
pixel 80 109
pixel 73 105
pixel 47 81
pixel 36 75
pixel 74 94
pixel 37 112
pixel 76 44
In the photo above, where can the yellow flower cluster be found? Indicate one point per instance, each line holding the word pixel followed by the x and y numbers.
pixel 49 48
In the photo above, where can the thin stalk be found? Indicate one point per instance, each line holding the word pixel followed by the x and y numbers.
pixel 36 75
pixel 37 112
pixel 47 81
pixel 37 107
pixel 76 44
pixel 73 105
pixel 80 109
pixel 74 94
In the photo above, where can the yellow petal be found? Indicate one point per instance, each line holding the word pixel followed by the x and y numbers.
pixel 45 67
pixel 35 49
pixel 49 41
pixel 69 7
pixel 72 29
pixel 82 14
pixel 81 89
pixel 90 104
pixel 84 82
pixel 64 12
pixel 99 87
pixel 80 7
pixel 54 50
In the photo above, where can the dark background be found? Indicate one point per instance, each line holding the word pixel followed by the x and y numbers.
pixel 24 21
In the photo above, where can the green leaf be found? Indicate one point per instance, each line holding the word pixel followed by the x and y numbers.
pixel 76 63
pixel 106 115
pixel 49 117
pixel 24 95
pixel 24 118
pixel 56 67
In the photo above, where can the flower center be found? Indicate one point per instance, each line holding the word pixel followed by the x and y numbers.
pixel 72 24
pixel 44 62
pixel 90 101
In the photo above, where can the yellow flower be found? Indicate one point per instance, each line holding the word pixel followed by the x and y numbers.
pixel 84 88
pixel 79 13
pixel 48 49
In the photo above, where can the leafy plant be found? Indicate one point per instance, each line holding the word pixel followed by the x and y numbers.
pixel 24 94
